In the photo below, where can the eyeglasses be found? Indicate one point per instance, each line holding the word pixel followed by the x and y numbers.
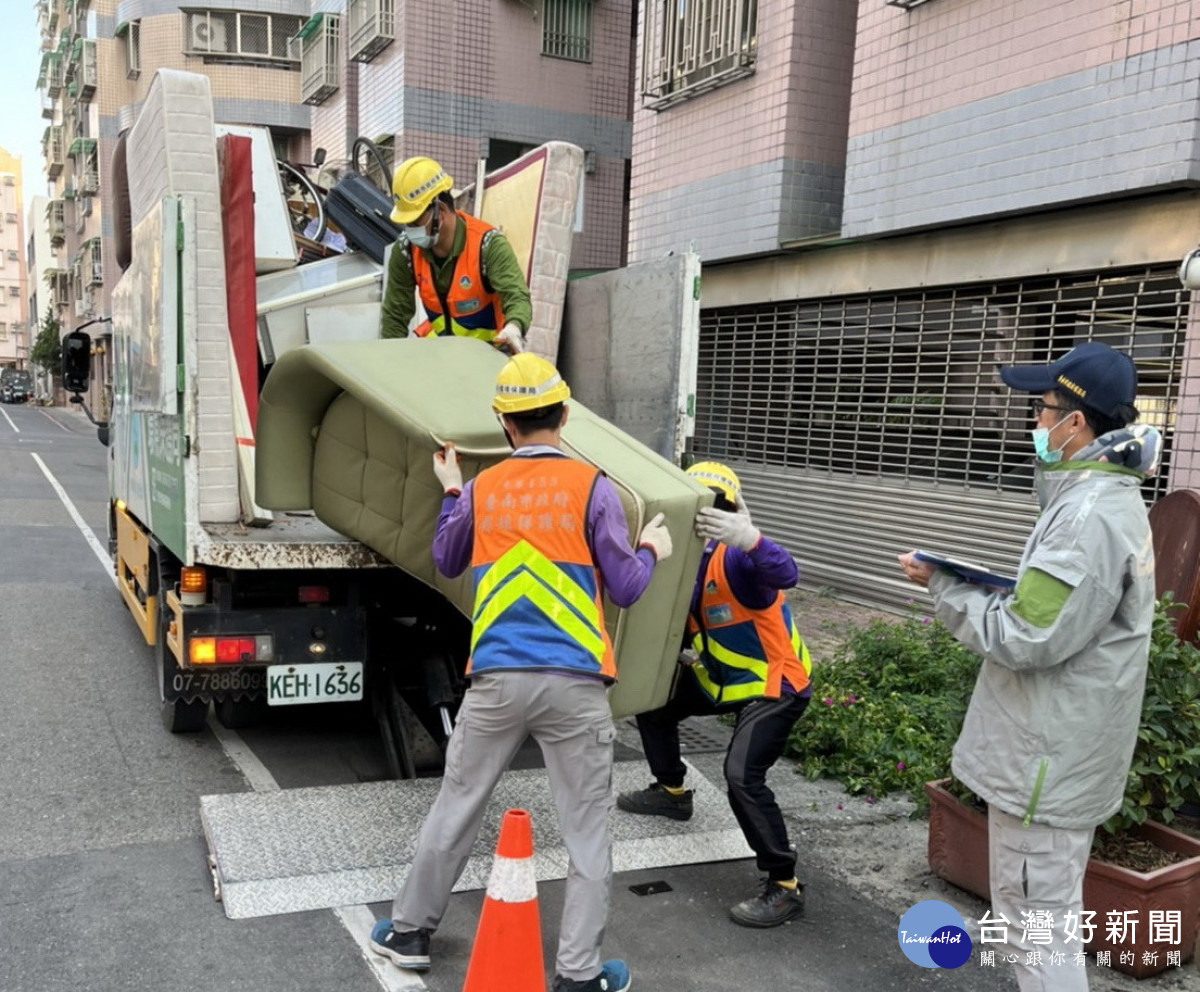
pixel 1040 405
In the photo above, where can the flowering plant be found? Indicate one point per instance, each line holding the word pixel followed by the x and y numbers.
pixel 887 708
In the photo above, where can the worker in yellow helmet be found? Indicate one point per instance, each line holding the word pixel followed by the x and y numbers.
pixel 745 656
pixel 546 538
pixel 464 271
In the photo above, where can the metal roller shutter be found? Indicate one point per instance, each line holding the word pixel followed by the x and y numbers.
pixel 867 426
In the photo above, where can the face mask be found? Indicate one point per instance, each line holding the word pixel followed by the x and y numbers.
pixel 418 237
pixel 1041 444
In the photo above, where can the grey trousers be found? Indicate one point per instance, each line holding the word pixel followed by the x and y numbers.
pixel 570 720
pixel 1039 868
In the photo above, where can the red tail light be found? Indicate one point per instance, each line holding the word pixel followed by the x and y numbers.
pixel 314 594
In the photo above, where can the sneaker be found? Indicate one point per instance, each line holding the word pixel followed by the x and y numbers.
pixel 657 801
pixel 614 977
pixel 773 906
pixel 407 949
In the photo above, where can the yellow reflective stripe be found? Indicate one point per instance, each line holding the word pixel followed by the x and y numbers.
pixel 728 693
pixel 801 650
pixel 523 554
pixel 527 587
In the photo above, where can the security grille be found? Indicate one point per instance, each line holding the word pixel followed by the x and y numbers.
pixel 692 46
pixel 319 47
pixel 372 28
pixel 567 29
pixel 241 36
pixel 869 425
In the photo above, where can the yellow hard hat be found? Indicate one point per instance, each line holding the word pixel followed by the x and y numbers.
pixel 528 382
pixel 415 184
pixel 717 476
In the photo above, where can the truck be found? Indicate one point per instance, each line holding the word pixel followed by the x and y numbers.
pixel 248 607
pixel 16 385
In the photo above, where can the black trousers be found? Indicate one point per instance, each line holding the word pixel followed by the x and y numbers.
pixel 762 730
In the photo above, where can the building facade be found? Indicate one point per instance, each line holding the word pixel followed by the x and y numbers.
pixel 14 308
pixel 1016 178
pixel 499 79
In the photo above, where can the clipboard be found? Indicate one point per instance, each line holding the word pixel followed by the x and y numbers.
pixel 967 571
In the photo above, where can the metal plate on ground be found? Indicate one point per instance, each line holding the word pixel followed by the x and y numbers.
pixel 318 848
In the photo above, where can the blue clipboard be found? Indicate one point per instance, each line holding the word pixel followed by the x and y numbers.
pixel 967 570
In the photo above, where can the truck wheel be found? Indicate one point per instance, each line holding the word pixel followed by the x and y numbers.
pixel 238 713
pixel 178 716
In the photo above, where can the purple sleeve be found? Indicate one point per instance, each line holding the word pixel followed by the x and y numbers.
pixel 455 535
pixel 757 575
pixel 626 572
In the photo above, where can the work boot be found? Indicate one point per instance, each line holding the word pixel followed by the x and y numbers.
pixel 773 906
pixel 407 949
pixel 614 977
pixel 657 801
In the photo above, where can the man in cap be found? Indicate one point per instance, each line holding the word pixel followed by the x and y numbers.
pixel 464 271
pixel 744 656
pixel 545 536
pixel 1051 726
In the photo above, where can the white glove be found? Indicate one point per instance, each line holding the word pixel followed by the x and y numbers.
pixel 445 467
pixel 734 529
pixel 656 537
pixel 741 506
pixel 510 339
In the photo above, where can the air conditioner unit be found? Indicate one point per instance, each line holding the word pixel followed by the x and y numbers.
pixel 209 35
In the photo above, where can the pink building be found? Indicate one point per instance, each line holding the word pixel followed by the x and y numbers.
pixel 893 198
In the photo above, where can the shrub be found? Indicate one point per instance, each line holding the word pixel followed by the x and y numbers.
pixel 887 709
pixel 1164 773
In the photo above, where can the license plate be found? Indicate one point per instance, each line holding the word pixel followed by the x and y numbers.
pixel 326 682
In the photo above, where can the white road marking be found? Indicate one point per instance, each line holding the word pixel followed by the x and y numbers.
pixel 357 920
pixel 100 551
pixel 55 421
pixel 10 420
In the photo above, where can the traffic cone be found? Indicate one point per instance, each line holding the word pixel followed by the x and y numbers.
pixel 508 944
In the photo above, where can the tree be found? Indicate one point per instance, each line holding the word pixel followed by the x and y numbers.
pixel 47 349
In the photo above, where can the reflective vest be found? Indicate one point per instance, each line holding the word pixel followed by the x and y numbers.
pixel 475 311
pixel 745 654
pixel 537 589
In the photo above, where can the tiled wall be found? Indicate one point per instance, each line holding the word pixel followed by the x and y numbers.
pixel 964 110
pixel 759 161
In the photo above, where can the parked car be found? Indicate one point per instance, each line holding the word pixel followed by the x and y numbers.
pixel 16 386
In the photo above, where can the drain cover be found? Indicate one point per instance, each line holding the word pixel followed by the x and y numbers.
pixel 701 735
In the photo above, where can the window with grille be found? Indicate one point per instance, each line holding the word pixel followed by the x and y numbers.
pixel 12 255
pixel 318 46
pixel 692 46
pixel 567 29
pixel 14 291
pixel 905 385
pixel 132 32
pixel 3 331
pixel 240 35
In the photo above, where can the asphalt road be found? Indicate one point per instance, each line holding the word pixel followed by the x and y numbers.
pixel 103 882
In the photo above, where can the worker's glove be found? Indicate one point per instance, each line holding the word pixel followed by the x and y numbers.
pixel 734 529
pixel 445 467
pixel 741 507
pixel 688 657
pixel 656 537
pixel 510 339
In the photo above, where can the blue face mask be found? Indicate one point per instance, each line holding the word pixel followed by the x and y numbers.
pixel 1041 444
pixel 418 237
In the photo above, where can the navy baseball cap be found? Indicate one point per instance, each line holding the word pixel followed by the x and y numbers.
pixel 1094 373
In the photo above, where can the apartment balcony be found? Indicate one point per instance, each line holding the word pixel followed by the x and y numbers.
pixel 52 149
pixel 56 222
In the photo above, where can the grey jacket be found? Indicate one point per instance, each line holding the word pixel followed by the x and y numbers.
pixel 1052 723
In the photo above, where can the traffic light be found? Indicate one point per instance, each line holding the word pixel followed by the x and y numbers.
pixel 76 361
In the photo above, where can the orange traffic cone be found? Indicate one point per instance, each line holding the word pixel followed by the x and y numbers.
pixel 508 944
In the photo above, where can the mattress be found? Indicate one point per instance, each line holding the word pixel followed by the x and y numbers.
pixel 349 431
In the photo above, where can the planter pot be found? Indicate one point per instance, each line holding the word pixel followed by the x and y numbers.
pixel 958 853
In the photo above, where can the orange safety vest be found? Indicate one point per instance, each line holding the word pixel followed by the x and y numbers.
pixel 744 653
pixel 475 310
pixel 538 592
